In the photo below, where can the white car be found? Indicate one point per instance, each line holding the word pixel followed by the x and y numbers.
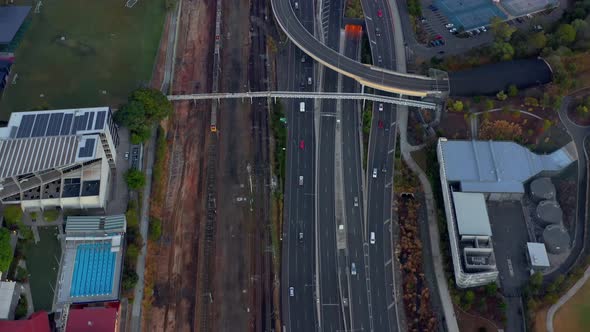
pixel 356 201
pixel 380 107
pixel 483 29
pixel 449 25
pixel 453 30
pixel 300 180
pixel 353 269
pixel 126 155
pixel 374 173
pixel 372 238
pixel 291 291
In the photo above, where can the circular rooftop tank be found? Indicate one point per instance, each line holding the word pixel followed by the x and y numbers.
pixel 556 238
pixel 542 189
pixel 549 213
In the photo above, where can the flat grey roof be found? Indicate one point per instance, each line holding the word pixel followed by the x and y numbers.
pixel 35 154
pixel 538 254
pixel 494 166
pixel 472 214
pixel 93 224
pixel 11 18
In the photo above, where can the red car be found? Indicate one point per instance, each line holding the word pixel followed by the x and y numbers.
pixel 438 37
pixel 380 124
pixel 379 13
pixel 301 145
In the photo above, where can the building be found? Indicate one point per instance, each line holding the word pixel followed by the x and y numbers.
pixel 60 158
pixel 496 171
pixel 542 189
pixel 499 170
pixel 9 295
pixel 90 269
pixel 557 239
pixel 11 19
pixel 94 319
pixel 38 322
pixel 537 255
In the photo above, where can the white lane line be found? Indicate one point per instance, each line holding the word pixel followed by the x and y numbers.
pixel 374 42
pixel 387 185
pixel 386 222
pixel 391 151
pixel 368 18
pixel 388 262
pixel 390 305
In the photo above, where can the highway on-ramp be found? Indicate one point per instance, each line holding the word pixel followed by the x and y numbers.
pixel 378 78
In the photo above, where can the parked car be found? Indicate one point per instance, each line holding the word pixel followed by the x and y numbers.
pixel 449 25
pixel 453 30
pixel 483 29
pixel 126 155
pixel 379 13
pixel 356 201
pixel 301 144
pixel 380 107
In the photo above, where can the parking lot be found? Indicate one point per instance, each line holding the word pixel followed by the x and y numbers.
pixel 469 14
pixel 509 236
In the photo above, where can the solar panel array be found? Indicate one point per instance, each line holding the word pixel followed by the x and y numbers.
pixel 88 149
pixel 59 123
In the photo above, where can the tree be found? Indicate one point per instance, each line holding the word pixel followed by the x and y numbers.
pixel 501 130
pixel 468 299
pixel 458 106
pixel 155 229
pixel 131 254
pixel 565 34
pixel 6 253
pixel 502 31
pixel 12 216
pixel 489 104
pixel 502 50
pixel 135 179
pixel 582 110
pixel 491 289
pixel 129 279
pixel 536 280
pixel 155 104
pixel 501 95
pixel 538 40
pixel 512 90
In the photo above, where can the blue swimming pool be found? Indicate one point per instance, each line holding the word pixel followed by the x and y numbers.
pixel 94 270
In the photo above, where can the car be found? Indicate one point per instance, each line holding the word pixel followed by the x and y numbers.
pixel 438 37
pixel 449 25
pixel 126 155
pixel 519 20
pixel 301 144
pixel 291 291
pixel 353 269
pixel 433 8
pixel 372 238
pixel 379 13
pixel 356 201
pixel 476 31
pixel 300 180
pixel 377 32
pixel 422 19
pixel 309 81
pixel 441 42
pixel 453 30
pixel 380 124
pixel 302 107
pixel 296 5
pixel 470 33
pixel 300 236
pixel 379 59
pixel 303 58
pixel 483 29
pixel 380 107
pixel 441 52
pixel 374 173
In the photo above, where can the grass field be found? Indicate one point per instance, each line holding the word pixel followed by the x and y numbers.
pixel 43 263
pixel 106 46
pixel 574 315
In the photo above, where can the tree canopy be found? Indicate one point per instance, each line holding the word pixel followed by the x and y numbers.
pixel 135 179
pixel 565 34
pixel 6 253
pixel 502 31
pixel 144 108
pixel 500 130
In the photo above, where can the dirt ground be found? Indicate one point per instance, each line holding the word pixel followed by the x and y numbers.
pixel 574 315
pixel 471 323
pixel 174 277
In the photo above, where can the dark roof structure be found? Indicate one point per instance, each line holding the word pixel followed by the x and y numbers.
pixel 92 319
pixel 38 322
pixel 11 18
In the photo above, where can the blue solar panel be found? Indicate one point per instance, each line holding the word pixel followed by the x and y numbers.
pixel 40 125
pixel 100 120
pixel 54 124
pixel 88 149
pixel 67 124
pixel 90 121
pixel 77 124
pixel 26 126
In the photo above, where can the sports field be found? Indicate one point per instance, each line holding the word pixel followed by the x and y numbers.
pixel 574 315
pixel 84 53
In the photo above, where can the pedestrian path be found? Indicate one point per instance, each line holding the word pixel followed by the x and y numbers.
pixel 571 292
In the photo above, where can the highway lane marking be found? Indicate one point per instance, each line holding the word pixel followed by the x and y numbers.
pixel 333 115
pixel 390 305
pixel 386 221
pixel 388 262
pixel 391 151
pixel 368 18
pixel 387 185
pixel 374 42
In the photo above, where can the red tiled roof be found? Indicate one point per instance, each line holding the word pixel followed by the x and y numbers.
pixel 38 322
pixel 92 319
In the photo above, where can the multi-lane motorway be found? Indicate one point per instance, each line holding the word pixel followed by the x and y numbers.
pixel 373 76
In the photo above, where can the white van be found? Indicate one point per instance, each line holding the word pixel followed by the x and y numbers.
pixel 301 107
pixel 372 237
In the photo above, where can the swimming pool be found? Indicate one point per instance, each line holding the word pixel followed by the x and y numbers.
pixel 94 270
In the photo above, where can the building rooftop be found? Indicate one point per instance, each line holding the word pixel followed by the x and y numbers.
pixel 38 322
pixel 11 19
pixel 492 166
pixel 538 254
pixel 96 224
pixel 92 319
pixel 7 300
pixel 472 214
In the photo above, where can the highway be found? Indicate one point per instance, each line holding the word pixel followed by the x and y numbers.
pixel 353 202
pixel 379 189
pixel 372 76
pixel 299 310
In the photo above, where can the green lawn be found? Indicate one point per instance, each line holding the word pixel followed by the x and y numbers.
pixel 107 46
pixel 43 265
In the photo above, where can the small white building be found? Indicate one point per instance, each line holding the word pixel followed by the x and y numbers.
pixel 537 254
pixel 60 158
pixel 9 295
